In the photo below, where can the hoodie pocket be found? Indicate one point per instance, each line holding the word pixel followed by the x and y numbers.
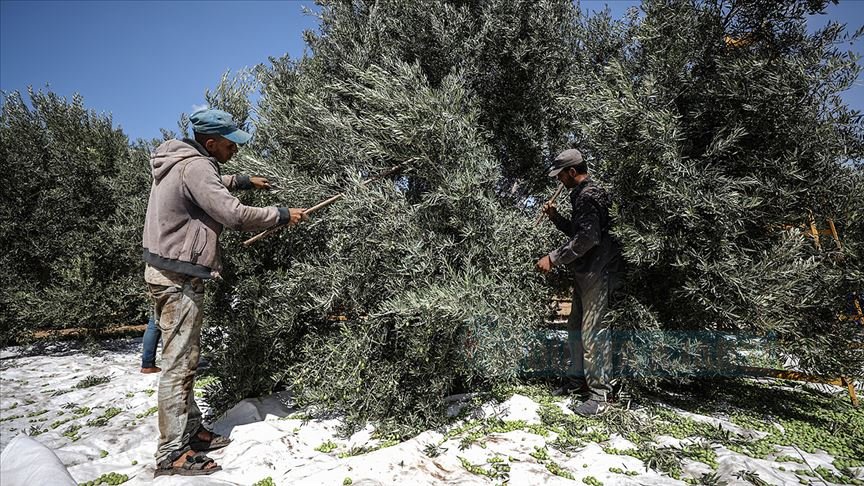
pixel 199 242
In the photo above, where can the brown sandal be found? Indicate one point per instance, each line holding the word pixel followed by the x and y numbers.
pixel 195 465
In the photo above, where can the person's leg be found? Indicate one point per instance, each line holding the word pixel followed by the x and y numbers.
pixel 178 312
pixel 148 352
pixel 193 422
pixel 574 379
pixel 576 370
pixel 597 339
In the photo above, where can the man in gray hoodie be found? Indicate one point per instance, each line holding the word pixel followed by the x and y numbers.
pixel 189 205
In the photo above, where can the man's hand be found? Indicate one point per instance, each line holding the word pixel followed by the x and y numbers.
pixel 297 215
pixel 549 209
pixel 544 264
pixel 260 183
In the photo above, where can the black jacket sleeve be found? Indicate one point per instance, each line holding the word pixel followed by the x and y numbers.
pixel 585 233
pixel 563 224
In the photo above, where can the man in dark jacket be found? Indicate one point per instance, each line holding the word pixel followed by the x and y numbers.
pixel 593 257
pixel 189 206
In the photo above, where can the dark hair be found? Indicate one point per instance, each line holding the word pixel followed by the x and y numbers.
pixel 581 167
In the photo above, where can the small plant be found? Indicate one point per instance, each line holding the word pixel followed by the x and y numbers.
pixel 81 411
pixel 327 447
pixel 268 481
pixel 591 481
pixel 103 419
pixel 709 479
pixel 433 450
pixel 202 383
pixel 149 392
pixel 111 479
pixel 92 380
pixel 829 476
pixel 346 481
pixel 789 459
pixel 540 453
pixel 36 414
pixel 497 470
pixel 662 459
pixel 103 453
pixel 72 432
pixel 355 451
pixel 751 477
pixel 134 462
pixel 557 470
pixel 150 411
pixel 35 430
pixel 58 423
pixel 702 452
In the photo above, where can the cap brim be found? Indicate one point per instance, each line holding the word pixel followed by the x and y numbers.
pixel 238 136
pixel 554 172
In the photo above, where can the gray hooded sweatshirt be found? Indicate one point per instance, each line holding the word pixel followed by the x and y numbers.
pixel 189 206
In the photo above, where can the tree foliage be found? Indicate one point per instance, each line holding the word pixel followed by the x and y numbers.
pixel 73 201
pixel 718 127
pixel 721 129
pixel 406 291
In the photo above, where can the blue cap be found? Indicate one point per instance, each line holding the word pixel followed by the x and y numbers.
pixel 209 122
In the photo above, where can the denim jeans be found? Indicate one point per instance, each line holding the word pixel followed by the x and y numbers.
pixel 150 343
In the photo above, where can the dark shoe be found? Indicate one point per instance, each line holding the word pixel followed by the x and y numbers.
pixel 216 441
pixel 153 369
pixel 591 407
pixel 572 386
pixel 196 464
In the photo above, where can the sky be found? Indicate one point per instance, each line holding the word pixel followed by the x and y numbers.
pixel 145 62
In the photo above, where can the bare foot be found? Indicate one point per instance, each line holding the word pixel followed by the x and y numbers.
pixel 205 435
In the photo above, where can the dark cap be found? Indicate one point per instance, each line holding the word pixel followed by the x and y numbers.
pixel 218 122
pixel 565 159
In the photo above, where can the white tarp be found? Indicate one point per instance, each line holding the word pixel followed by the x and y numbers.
pixel 25 462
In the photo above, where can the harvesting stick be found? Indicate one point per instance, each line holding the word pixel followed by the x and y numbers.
pixel 323 204
pixel 551 200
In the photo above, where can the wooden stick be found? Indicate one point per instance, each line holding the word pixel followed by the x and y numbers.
pixel 323 204
pixel 551 200
pixel 834 234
